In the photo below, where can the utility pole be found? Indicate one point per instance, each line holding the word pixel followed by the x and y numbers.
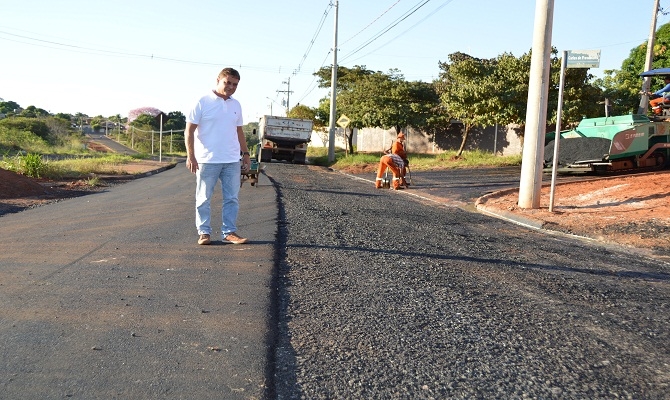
pixel 333 95
pixel 646 83
pixel 288 93
pixel 532 161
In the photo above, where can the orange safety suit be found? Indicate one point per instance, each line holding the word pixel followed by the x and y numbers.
pixel 656 105
pixel 399 148
pixel 394 163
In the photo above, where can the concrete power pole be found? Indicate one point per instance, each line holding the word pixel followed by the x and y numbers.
pixel 333 96
pixel 644 99
pixel 288 93
pixel 536 114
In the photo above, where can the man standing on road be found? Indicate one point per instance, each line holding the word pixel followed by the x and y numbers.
pixel 214 142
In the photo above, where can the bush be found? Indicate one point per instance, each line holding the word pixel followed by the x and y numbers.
pixel 29 164
pixel 32 165
pixel 33 125
pixel 16 140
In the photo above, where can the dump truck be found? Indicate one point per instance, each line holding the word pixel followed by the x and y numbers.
pixel 616 143
pixel 283 138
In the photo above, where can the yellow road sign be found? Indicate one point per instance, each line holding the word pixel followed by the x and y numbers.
pixel 343 121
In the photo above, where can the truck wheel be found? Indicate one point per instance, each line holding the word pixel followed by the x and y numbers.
pixel 299 158
pixel 266 155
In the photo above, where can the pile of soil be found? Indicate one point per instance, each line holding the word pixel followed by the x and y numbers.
pixel 13 185
pixel 630 209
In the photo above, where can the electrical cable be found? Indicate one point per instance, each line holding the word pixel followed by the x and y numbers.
pixel 375 20
pixel 388 28
pixel 407 30
pixel 316 34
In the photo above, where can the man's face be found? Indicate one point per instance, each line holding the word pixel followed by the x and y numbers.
pixel 227 85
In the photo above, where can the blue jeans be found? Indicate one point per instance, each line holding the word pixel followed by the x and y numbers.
pixel 207 175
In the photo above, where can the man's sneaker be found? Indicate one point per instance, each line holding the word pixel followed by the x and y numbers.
pixel 234 238
pixel 204 239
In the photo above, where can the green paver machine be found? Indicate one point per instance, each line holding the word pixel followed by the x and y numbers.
pixel 615 143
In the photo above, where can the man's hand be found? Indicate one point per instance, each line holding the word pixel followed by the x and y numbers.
pixel 246 162
pixel 191 164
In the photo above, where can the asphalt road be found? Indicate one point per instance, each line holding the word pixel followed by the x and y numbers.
pixel 109 296
pixel 344 292
pixel 392 294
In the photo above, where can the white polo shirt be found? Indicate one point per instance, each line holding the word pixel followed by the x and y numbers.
pixel 216 138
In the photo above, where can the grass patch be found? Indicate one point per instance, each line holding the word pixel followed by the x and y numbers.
pixel 418 162
pixel 84 167
pixel 72 168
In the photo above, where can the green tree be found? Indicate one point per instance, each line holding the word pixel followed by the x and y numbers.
pixel 346 77
pixel 467 88
pixel 385 100
pixel 622 87
pixel 33 112
pixel 302 111
pixel 32 125
pixel 9 107
pixel 145 120
pixel 176 121
pixel 64 116
pixel 97 122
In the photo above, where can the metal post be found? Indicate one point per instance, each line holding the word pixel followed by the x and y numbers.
pixel 557 139
pixel 160 141
pixel 333 95
pixel 644 99
pixel 536 113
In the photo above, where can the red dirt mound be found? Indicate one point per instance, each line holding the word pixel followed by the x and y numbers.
pixel 13 185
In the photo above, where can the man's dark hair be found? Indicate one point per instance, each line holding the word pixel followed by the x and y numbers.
pixel 229 72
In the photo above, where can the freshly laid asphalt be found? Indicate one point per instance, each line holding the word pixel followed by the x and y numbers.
pixel 109 296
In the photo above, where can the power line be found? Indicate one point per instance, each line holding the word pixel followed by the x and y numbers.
pixel 388 28
pixel 407 30
pixel 368 25
pixel 316 34
pixel 63 46
pixel 310 89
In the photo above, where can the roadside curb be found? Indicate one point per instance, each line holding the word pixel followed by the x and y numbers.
pixel 136 176
pixel 506 215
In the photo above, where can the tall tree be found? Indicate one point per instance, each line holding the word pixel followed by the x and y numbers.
pixel 385 100
pixel 302 111
pixel 9 107
pixel 468 91
pixel 623 86
pixel 176 121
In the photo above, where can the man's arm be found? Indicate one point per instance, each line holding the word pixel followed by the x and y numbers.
pixel 191 162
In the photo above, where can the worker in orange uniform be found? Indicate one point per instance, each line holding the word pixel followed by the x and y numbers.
pixel 395 164
pixel 398 148
pixel 659 96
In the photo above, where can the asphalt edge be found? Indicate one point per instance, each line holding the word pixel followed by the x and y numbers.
pixel 480 205
pixel 137 176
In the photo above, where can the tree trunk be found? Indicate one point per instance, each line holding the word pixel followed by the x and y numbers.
pixel 466 132
pixel 350 140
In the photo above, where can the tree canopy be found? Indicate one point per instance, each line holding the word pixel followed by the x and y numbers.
pixel 623 86
pixel 377 99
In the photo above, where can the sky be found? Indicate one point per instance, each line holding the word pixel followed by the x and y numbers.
pixel 104 57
